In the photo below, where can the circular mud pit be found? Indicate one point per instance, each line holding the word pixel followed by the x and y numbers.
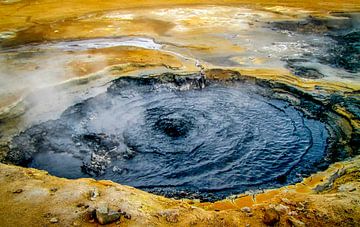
pixel 172 138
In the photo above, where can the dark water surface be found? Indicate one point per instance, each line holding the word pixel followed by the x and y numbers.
pixel 167 139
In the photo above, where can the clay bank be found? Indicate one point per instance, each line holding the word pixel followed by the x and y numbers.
pixel 230 114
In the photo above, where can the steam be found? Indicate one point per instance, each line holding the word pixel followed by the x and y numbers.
pixel 31 74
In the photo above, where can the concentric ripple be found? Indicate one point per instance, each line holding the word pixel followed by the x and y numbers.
pixel 159 137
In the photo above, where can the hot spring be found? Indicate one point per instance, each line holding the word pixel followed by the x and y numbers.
pixel 169 135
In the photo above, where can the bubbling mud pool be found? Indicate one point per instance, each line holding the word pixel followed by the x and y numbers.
pixel 175 139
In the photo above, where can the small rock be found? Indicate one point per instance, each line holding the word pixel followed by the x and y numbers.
pixel 288 202
pixel 105 216
pixel 300 209
pixel 53 189
pixel 347 188
pixel 93 194
pixel 54 220
pixel 7 34
pixel 127 216
pixel 281 208
pixel 249 214
pixel 246 209
pixel 271 216
pixel 294 222
pixel 123 213
pixel 171 216
pixel 76 223
pixel 292 213
pixel 47 215
pixel 80 205
pixel 302 205
pixel 17 191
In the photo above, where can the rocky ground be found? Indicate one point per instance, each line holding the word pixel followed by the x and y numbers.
pixel 31 197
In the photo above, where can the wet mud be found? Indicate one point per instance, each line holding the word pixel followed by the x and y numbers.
pixel 169 136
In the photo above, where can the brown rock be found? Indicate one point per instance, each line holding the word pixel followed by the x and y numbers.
pixel 80 205
pixel 90 214
pixel 288 202
pixel 94 194
pixel 293 213
pixel 18 191
pixel 106 216
pixel 246 209
pixel 282 209
pixel 127 216
pixel 271 216
pixel 76 223
pixel 294 222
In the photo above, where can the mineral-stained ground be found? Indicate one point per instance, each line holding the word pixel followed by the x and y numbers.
pixel 221 113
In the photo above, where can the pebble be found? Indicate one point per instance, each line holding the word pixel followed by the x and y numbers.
pixel 347 188
pixel 300 209
pixel 7 34
pixel 47 215
pixel 93 194
pixel 54 220
pixel 282 208
pixel 292 213
pixel 80 205
pixel 246 209
pixel 105 216
pixel 17 191
pixel 288 202
pixel 76 223
pixel 295 222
